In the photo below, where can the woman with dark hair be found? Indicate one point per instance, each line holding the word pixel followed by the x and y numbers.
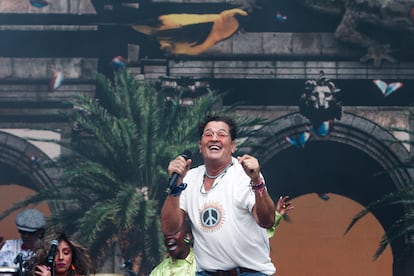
pixel 71 258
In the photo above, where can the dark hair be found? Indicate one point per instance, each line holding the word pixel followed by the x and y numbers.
pixel 218 118
pixel 81 261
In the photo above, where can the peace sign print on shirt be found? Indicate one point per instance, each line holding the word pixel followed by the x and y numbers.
pixel 211 216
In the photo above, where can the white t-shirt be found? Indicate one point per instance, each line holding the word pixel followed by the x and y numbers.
pixel 226 234
pixel 9 252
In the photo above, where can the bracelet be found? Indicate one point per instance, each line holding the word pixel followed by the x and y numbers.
pixel 176 191
pixel 258 187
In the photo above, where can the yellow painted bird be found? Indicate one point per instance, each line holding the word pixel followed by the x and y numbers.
pixel 192 34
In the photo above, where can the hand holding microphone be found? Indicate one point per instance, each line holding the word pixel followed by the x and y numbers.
pixel 172 182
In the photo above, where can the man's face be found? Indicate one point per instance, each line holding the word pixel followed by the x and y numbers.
pixel 29 238
pixel 216 143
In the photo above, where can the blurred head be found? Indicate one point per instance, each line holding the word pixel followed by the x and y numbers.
pixel 30 223
pixel 178 245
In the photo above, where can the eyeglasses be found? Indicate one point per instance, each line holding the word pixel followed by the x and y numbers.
pixel 220 133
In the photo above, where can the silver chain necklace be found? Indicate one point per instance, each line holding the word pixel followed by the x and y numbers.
pixel 219 174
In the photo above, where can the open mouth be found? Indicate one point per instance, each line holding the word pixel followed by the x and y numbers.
pixel 214 148
pixel 171 245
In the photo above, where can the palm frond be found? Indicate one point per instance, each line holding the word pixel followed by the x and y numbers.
pixel 401 227
pixel 393 198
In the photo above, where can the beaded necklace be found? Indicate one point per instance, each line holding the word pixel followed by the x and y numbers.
pixel 216 182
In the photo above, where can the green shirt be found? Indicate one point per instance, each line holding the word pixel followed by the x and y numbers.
pixel 278 219
pixel 178 267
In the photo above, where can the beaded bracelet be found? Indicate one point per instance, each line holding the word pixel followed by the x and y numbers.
pixel 258 187
pixel 176 191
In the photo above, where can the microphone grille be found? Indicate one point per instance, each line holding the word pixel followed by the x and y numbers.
pixel 187 154
pixel 54 242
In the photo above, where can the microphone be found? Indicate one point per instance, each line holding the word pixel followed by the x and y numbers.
pixel 18 259
pixel 173 179
pixel 52 253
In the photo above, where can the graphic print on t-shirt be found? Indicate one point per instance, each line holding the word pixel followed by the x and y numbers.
pixel 211 216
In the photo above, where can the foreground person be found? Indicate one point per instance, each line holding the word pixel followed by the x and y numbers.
pixel 227 202
pixel 181 256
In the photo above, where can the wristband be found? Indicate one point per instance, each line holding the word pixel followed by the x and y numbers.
pixel 258 187
pixel 176 191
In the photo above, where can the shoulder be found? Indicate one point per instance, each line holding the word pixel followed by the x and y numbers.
pixel 236 170
pixel 194 172
pixel 11 244
pixel 161 268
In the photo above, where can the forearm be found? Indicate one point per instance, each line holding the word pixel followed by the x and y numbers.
pixel 265 209
pixel 172 217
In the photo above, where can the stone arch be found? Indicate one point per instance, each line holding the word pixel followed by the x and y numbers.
pixel 353 130
pixel 16 159
pixel 365 138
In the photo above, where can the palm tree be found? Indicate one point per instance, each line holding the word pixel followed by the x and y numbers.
pixel 113 180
